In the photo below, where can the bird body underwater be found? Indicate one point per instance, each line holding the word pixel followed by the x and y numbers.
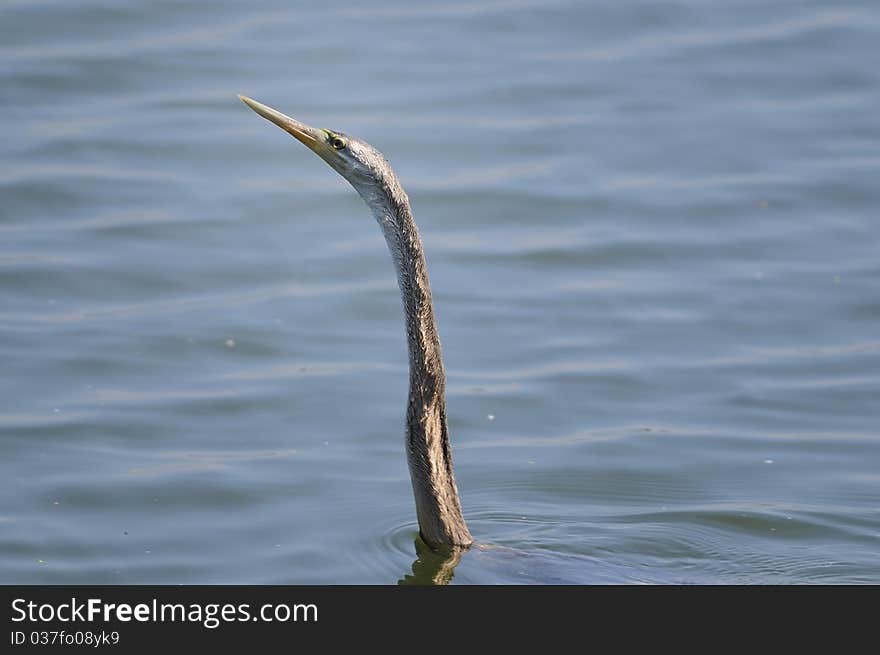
pixel 429 454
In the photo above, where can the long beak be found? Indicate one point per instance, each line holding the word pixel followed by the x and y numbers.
pixel 308 136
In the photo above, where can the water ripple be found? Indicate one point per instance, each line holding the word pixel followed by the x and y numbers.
pixel 671 44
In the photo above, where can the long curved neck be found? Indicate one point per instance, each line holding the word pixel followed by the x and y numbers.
pixel 427 439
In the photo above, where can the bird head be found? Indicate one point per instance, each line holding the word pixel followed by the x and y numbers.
pixel 357 161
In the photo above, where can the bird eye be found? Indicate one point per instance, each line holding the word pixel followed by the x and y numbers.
pixel 337 142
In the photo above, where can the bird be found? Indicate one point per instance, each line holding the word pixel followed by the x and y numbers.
pixel 428 450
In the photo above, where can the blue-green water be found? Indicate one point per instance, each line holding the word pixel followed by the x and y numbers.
pixel 653 236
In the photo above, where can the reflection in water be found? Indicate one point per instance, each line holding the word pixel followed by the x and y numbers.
pixel 432 567
pixel 505 565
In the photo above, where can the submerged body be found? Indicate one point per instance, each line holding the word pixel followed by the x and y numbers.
pixel 428 450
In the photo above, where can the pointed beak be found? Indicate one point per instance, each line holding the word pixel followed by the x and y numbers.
pixel 308 136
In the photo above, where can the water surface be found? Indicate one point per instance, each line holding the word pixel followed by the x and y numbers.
pixel 652 234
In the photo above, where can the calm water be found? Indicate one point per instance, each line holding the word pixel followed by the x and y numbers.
pixel 654 242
